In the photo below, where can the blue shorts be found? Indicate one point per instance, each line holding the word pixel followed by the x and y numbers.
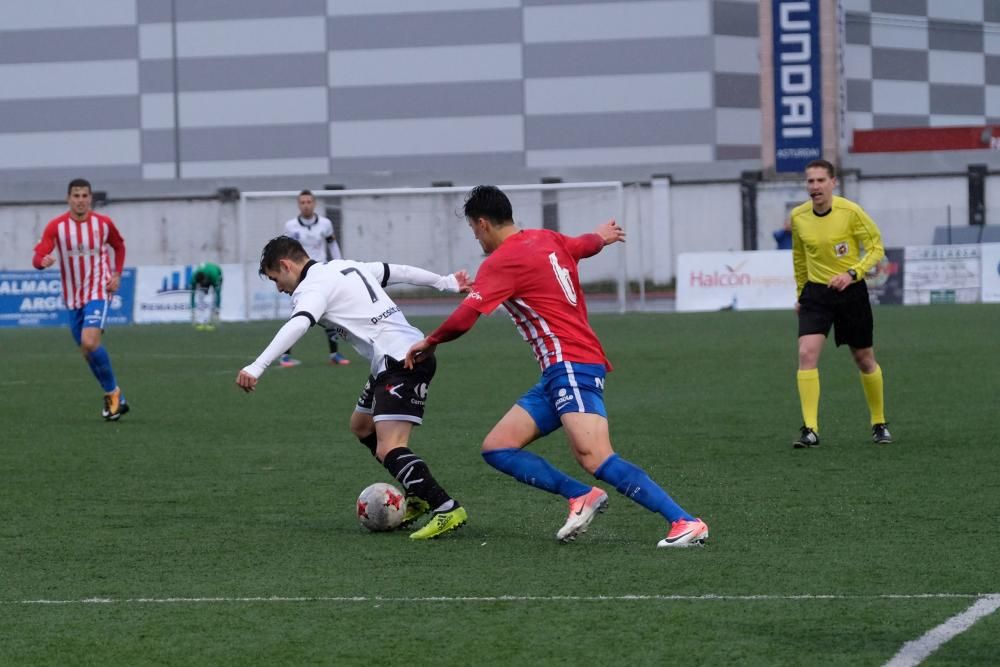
pixel 90 316
pixel 565 387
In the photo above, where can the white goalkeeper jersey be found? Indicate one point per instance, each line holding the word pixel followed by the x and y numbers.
pixel 316 236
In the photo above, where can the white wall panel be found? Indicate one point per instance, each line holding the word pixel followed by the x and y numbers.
pixel 737 55
pixel 417 136
pixel 157 111
pixel 77 79
pixel 616 20
pixel 625 92
pixel 738 126
pixel 441 64
pixel 251 37
pixel 275 167
pixel 69 149
pixel 902 97
pixel 351 7
pixel 235 108
pixel 155 41
pixel 574 157
pixel 956 67
pixel 47 14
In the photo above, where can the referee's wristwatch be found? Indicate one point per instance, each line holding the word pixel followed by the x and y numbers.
pixel 853 274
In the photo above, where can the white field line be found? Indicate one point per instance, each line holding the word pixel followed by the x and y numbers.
pixel 914 652
pixel 500 598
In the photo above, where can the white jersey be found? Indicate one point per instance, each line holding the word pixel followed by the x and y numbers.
pixel 348 296
pixel 315 235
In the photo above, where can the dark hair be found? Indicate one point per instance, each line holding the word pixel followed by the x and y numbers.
pixel 280 247
pixel 78 183
pixel 823 164
pixel 307 192
pixel 201 279
pixel 488 201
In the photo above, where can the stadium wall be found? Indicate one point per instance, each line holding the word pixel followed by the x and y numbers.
pixel 664 218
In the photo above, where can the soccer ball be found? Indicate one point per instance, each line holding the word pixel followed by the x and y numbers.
pixel 381 507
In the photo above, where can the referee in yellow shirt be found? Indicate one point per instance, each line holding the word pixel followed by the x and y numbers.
pixel 834 243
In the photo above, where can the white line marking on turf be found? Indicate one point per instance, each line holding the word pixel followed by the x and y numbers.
pixel 501 598
pixel 914 652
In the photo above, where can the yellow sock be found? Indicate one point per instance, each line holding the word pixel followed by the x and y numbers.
pixel 872 384
pixel 808 382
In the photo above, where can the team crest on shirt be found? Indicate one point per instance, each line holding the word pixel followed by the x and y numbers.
pixel 841 249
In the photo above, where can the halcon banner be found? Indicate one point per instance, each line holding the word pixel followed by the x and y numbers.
pixel 735 280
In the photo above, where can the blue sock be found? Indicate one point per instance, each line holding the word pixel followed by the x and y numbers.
pixel 100 366
pixel 531 469
pixel 631 481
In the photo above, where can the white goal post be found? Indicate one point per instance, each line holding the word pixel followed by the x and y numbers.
pixel 425 226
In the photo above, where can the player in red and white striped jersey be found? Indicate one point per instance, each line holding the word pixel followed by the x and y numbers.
pixel 80 239
pixel 532 273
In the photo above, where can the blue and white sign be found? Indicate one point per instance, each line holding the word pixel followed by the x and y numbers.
pixel 798 112
pixel 34 298
pixel 162 293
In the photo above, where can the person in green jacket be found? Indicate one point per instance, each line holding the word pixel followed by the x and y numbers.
pixel 206 295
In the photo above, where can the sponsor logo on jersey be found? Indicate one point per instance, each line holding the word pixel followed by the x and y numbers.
pixel 475 295
pixel 394 389
pixel 381 316
pixel 421 390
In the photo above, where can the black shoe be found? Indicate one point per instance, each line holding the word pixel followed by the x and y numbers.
pixel 807 439
pixel 881 435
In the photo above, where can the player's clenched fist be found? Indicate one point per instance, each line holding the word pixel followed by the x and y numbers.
pixel 246 381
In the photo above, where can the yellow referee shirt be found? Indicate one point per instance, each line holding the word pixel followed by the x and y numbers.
pixel 825 245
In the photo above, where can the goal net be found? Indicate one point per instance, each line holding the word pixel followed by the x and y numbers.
pixel 425 227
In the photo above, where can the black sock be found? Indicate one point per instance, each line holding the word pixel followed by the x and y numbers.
pixel 411 471
pixel 371 442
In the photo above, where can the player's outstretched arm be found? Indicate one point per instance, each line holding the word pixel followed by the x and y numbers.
pixel 394 274
pixel 460 321
pixel 286 337
pixel 610 232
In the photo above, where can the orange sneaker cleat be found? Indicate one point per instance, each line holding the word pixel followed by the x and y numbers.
pixel 582 511
pixel 684 533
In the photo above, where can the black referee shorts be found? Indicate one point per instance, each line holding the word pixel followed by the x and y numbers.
pixel 850 312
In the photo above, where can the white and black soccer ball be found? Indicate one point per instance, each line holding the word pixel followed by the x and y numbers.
pixel 381 507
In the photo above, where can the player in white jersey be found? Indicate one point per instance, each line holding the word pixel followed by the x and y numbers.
pixel 349 297
pixel 317 237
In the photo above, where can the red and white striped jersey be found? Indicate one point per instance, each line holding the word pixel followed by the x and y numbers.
pixel 82 255
pixel 533 274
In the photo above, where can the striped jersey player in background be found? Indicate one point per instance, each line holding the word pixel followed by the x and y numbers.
pixel 81 238
pixel 533 274
pixel 316 235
